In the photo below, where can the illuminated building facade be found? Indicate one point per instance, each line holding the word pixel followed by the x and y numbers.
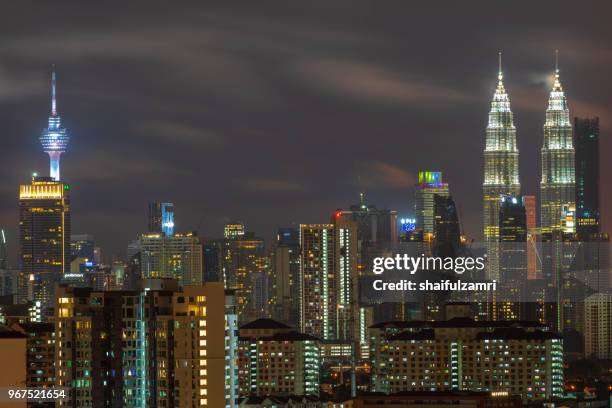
pixel 244 268
pixel 586 145
pixel 430 183
pixel 275 360
pixel 531 219
pixel 285 261
pixel 514 358
pixel 177 256
pixel 598 326
pixel 54 138
pixel 40 357
pixel 161 346
pixel 44 236
pixel 557 187
pixel 233 230
pixel 501 170
pixel 318 290
pixel 161 218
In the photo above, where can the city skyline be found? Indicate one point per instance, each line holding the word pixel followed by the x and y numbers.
pixel 374 115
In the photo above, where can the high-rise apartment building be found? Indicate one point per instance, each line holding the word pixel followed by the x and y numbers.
pixel 275 360
pixel 161 218
pixel 161 346
pixel 318 291
pixel 514 358
pixel 586 145
pixel 44 237
pixel 598 326
pixel 501 170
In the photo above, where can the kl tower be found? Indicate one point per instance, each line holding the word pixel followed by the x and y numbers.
pixel 54 138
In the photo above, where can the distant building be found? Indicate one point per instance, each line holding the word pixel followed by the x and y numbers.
pixel 161 218
pixel 44 237
pixel 3 251
pixel 532 256
pixel 586 145
pixel 430 183
pixel 511 358
pixel 285 263
pixel 177 256
pixel 244 268
pixel 233 230
pixel 558 184
pixel 598 326
pixel 158 346
pixel 501 170
pixel 82 246
pixel 275 360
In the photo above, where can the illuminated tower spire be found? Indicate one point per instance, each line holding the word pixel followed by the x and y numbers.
pixel 558 173
pixel 501 168
pixel 54 139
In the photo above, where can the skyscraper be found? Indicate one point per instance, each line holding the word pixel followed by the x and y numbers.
pixel 162 345
pixel 586 145
pixel 54 138
pixel 44 236
pixel 177 256
pixel 161 218
pixel 531 218
pixel 501 169
pixel 318 296
pixel 430 183
pixel 558 199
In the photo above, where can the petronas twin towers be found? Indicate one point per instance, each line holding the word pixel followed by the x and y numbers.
pixel 501 167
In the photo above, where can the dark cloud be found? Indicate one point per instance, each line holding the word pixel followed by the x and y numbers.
pixel 277 113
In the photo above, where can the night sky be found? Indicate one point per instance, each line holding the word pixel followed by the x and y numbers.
pixel 277 113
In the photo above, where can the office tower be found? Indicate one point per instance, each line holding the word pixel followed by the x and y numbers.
pixel 374 225
pixel 447 233
pixel 44 236
pixel 512 258
pixel 586 145
pixel 513 239
pixel 275 360
pixel 285 260
pixel 529 202
pixel 501 170
pixel 212 267
pixel 40 353
pixel 82 246
pixel 430 183
pixel 177 256
pixel 161 218
pixel 318 290
pixel 244 269
pixel 233 230
pixel 598 326
pixel 557 188
pixel 158 346
pixel 54 138
pixel 465 355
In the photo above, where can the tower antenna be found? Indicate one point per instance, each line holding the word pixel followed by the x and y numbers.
pixel 53 98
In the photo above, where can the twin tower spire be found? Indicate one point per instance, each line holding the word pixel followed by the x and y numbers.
pixel 501 164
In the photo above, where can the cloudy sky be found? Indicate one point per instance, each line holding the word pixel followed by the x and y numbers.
pixel 276 113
